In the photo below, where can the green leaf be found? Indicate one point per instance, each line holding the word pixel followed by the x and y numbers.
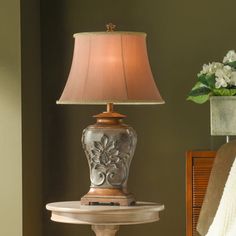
pixel 203 79
pixel 199 91
pixel 199 94
pixel 207 80
pixel 232 64
pixel 224 92
pixel 198 85
pixel 211 80
pixel 199 99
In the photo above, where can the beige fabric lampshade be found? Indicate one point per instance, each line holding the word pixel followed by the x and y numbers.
pixel 110 67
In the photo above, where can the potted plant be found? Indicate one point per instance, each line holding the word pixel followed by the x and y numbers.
pixel 217 82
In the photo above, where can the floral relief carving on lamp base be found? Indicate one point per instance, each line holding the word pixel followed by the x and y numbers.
pixel 109 148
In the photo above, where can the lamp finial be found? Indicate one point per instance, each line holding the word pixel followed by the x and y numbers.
pixel 110 27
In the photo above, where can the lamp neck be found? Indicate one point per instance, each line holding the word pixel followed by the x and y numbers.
pixel 109 116
pixel 110 107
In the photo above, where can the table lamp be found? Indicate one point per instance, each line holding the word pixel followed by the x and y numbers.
pixel 110 68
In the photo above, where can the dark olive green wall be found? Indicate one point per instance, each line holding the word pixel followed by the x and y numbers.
pixel 182 35
pixel 31 117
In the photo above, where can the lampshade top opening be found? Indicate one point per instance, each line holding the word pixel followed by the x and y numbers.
pixel 110 33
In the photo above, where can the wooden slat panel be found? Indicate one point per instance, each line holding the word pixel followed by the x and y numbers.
pixel 201 173
pixel 198 167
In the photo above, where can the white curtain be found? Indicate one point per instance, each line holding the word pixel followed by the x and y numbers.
pixel 224 223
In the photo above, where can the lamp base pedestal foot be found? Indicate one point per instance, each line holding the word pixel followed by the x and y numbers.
pixel 115 200
pixel 105 230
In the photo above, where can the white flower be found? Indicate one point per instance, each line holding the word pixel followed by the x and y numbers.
pixel 224 73
pixel 211 68
pixel 230 57
pixel 220 82
pixel 223 77
pixel 233 78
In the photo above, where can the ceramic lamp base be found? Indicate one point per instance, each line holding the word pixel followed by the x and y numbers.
pixel 109 146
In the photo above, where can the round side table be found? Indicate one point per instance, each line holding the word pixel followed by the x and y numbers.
pixel 105 220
